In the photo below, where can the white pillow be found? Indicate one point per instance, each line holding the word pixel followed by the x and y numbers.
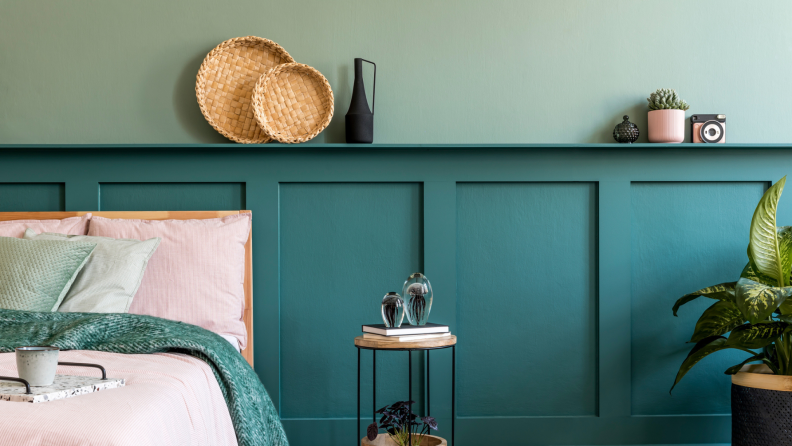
pixel 110 278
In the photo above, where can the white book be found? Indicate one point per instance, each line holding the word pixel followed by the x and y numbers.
pixel 429 328
pixel 404 338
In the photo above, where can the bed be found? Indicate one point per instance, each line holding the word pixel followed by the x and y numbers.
pixel 185 385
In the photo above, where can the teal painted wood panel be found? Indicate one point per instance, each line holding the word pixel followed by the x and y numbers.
pixel 32 197
pixel 526 302
pixel 172 196
pixel 342 247
pixel 685 236
pixel 263 169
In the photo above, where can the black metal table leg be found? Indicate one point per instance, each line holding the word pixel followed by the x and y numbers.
pixel 409 400
pixel 427 390
pixel 428 399
pixel 357 434
pixel 453 392
pixel 374 387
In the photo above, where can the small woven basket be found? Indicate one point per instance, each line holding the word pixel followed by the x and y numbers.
pixel 225 82
pixel 293 102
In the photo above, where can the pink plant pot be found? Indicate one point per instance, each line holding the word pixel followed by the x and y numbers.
pixel 667 126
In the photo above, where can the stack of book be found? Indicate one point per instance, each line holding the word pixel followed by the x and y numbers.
pixel 405 333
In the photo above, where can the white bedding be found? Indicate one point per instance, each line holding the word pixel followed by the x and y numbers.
pixel 169 399
pixel 233 340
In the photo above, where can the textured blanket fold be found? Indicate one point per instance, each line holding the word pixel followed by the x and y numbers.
pixel 255 420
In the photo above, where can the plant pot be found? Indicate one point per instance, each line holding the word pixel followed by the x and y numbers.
pixel 761 407
pixel 666 126
pixel 385 440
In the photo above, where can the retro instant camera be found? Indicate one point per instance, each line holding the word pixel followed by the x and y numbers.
pixel 708 128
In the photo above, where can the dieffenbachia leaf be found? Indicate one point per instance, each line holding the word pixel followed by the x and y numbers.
pixel 750 272
pixel 703 348
pixel 756 335
pixel 771 366
pixel 764 247
pixel 784 234
pixel 736 368
pixel 758 301
pixel 724 291
pixel 722 317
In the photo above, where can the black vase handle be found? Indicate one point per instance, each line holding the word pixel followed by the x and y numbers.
pixel 374 87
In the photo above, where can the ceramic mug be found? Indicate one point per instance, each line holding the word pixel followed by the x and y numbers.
pixel 37 365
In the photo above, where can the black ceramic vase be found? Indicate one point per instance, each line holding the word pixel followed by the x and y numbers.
pixel 360 119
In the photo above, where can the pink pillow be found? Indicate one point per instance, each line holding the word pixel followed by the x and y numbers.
pixel 197 273
pixel 70 226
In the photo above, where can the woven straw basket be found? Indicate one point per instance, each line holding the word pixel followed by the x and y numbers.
pixel 293 102
pixel 225 82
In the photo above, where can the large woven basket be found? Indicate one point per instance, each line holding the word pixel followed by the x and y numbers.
pixel 293 102
pixel 225 82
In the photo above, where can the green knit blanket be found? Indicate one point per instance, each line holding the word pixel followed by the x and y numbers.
pixel 255 420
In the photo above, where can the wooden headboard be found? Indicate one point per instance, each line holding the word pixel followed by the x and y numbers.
pixel 247 316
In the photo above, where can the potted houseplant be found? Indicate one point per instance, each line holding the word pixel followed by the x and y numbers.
pixel 400 424
pixel 666 116
pixel 754 314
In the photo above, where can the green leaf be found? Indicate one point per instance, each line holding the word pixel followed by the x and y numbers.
pixel 784 234
pixel 750 272
pixel 756 335
pixel 722 317
pixel 703 348
pixel 764 247
pixel 724 291
pixel 736 368
pixel 758 301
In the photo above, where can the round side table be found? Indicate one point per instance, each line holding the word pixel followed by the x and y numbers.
pixel 422 345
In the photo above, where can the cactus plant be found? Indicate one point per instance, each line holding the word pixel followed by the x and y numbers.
pixel 666 99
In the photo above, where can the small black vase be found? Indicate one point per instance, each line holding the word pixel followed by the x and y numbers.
pixel 626 131
pixel 360 119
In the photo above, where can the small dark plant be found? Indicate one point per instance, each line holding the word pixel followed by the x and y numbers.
pixel 399 422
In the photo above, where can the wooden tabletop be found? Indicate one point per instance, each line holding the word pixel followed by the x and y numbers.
pixel 446 341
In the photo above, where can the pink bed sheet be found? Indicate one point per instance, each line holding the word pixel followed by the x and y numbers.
pixel 169 399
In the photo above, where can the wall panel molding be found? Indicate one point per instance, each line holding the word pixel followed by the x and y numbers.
pixel 32 197
pixel 425 180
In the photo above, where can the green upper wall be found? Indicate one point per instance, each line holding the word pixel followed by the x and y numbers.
pixel 496 71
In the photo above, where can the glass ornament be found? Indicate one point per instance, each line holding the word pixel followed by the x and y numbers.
pixel 417 292
pixel 392 310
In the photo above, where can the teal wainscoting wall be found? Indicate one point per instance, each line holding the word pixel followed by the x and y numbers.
pixel 453 71
pixel 171 196
pixel 31 197
pixel 556 265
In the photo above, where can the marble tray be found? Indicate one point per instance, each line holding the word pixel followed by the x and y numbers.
pixel 64 386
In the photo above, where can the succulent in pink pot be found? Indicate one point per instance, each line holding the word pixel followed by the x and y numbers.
pixel 666 116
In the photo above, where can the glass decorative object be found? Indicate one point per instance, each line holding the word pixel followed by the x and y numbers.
pixel 392 310
pixel 417 292
pixel 626 131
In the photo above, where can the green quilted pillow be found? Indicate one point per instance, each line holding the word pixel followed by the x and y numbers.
pixel 35 275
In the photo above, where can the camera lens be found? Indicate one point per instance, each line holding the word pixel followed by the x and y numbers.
pixel 711 132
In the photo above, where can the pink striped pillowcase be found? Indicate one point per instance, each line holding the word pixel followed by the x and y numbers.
pixel 70 226
pixel 197 273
